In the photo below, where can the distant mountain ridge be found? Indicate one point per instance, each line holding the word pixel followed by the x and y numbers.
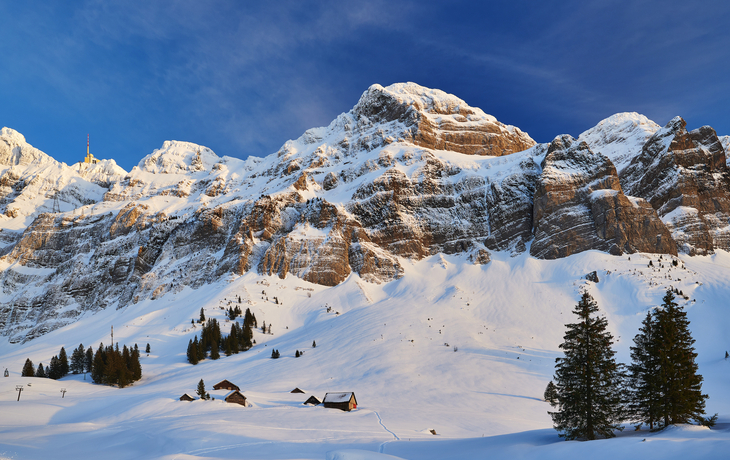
pixel 407 173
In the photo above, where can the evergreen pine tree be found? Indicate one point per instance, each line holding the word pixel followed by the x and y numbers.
pixel 40 372
pixel 136 366
pixel 63 362
pixel 214 351
pixel 227 346
pixel 643 380
pixel 97 369
pixel 125 362
pixel 78 356
pixel 201 390
pixel 112 366
pixel 192 352
pixel 247 318
pixel 55 372
pixel 233 338
pixel 202 315
pixel 147 350
pixel 314 344
pixel 246 337
pixel 89 361
pixel 201 348
pixel 587 378
pixel 680 384
pixel 28 369
pixel 551 394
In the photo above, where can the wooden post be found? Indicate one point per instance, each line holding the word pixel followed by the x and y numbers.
pixel 19 388
pixel 63 392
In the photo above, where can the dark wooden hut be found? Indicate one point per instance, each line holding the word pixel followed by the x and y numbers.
pixel 186 397
pixel 235 397
pixel 313 401
pixel 225 385
pixel 297 390
pixel 344 401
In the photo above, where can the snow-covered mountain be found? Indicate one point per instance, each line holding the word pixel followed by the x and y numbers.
pixel 30 182
pixel 620 137
pixel 432 252
pixel 408 173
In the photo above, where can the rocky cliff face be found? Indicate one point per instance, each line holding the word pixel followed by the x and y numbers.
pixel 579 205
pixel 436 120
pixel 684 176
pixel 407 173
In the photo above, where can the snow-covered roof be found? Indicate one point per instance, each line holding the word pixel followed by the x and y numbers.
pixel 338 397
pixel 313 400
pixel 230 393
pixel 225 383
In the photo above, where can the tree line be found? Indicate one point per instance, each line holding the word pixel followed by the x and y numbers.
pixel 594 394
pixel 108 365
pixel 212 342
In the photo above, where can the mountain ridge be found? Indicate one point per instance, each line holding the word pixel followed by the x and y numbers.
pixel 409 172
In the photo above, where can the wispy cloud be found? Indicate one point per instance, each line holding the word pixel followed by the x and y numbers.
pixel 243 76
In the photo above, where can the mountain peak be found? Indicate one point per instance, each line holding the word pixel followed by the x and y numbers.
pixel 15 150
pixel 620 137
pixel 423 99
pixel 11 134
pixel 177 157
pixel 434 119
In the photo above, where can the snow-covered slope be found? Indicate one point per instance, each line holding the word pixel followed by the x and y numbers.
pixel 620 137
pixel 399 238
pixel 460 349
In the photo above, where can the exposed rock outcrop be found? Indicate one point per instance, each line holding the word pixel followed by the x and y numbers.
pixel 685 177
pixel 440 121
pixel 579 206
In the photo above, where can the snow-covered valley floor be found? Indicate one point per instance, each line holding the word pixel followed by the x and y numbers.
pixel 481 393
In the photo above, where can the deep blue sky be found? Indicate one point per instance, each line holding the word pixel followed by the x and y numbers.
pixel 243 77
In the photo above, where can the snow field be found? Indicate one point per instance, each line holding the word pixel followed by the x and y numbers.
pixel 387 344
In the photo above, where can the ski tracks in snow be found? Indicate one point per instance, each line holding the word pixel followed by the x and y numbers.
pixel 395 436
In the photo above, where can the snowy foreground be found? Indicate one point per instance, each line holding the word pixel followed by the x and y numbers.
pixel 387 344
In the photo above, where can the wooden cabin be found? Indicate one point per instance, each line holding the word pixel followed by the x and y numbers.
pixel 235 397
pixel 344 401
pixel 313 401
pixel 186 397
pixel 297 390
pixel 225 385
